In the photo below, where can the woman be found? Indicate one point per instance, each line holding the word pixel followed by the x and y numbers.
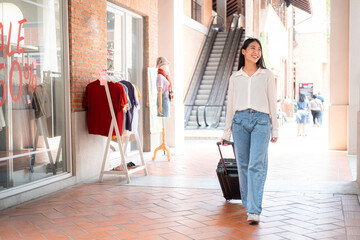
pixel 251 118
pixel 316 109
pixel 302 114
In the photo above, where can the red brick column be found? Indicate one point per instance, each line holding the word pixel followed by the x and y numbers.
pixel 87 45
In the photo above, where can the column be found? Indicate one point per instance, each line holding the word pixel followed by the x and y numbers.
pixel 354 85
pixel 339 75
pixel 170 34
pixel 354 73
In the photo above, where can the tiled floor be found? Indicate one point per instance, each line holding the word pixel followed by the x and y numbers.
pixel 93 211
pixel 114 210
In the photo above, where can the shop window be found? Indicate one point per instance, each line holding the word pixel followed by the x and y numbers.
pixel 196 8
pixel 32 102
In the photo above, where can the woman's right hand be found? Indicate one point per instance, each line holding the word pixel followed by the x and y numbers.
pixel 160 111
pixel 222 142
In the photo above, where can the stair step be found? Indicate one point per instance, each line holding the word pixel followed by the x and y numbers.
pixel 204 91
pixel 208 77
pixel 210 70
pixel 206 82
pixel 200 102
pixel 202 97
pixel 203 87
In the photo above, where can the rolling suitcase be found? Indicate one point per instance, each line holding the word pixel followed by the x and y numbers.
pixel 228 175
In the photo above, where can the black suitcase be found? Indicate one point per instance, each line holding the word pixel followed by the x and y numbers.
pixel 228 175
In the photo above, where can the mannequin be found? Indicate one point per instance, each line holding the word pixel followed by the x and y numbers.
pixel 164 88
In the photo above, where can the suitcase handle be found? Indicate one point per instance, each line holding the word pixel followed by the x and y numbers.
pixel 222 159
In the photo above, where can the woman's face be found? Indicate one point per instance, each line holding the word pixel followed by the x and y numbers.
pixel 252 53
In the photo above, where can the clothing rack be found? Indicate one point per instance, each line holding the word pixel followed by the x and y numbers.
pixel 126 172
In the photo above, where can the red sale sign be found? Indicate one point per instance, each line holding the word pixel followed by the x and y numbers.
pixel 27 70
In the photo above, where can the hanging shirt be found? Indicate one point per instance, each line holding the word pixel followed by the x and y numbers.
pixel 138 92
pixel 135 121
pixel 257 92
pixel 130 113
pixel 98 115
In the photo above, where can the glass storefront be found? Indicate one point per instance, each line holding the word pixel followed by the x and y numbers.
pixel 32 92
pixel 125 49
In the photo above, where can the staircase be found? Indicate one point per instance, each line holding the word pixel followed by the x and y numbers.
pixel 208 77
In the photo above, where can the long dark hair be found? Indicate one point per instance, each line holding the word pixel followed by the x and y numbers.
pixel 259 63
pixel 302 98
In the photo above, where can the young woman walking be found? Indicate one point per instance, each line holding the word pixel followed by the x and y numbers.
pixel 252 120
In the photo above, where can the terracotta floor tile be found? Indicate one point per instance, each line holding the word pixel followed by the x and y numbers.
pixel 72 231
pixel 185 230
pixel 155 232
pixel 122 234
pixel 58 236
pixel 175 236
pixel 208 235
pixel 92 236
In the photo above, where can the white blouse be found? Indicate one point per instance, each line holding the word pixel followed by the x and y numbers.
pixel 257 92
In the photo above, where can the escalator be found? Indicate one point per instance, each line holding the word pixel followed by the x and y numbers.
pixel 205 69
pixel 214 111
pixel 221 55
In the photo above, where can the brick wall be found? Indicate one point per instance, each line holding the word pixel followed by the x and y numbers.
pixel 87 46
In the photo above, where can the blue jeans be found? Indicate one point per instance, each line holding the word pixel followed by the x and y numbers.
pixel 251 133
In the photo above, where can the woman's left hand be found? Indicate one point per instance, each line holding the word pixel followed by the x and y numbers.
pixel 274 139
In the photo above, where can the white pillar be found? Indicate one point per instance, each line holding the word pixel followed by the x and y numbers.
pixel 354 85
pixel 249 18
pixel 170 34
pixel 354 73
pixel 339 75
pixel 221 9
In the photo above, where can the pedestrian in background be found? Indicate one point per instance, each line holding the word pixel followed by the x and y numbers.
pixel 302 114
pixel 321 113
pixel 316 109
pixel 251 117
